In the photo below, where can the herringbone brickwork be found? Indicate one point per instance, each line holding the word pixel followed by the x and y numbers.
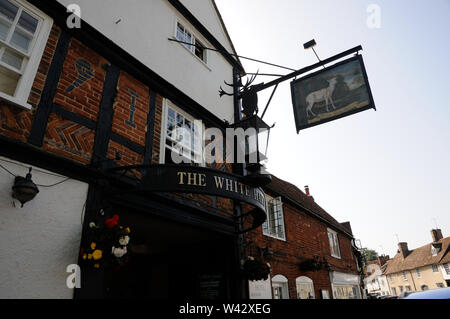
pixel 69 139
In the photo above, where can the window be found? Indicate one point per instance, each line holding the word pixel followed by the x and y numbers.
pixel 418 273
pixel 193 44
pixel 274 224
pixel 280 287
pixel 305 288
pixel 394 291
pixel 404 276
pixel 447 268
pixel 408 288
pixel 440 285
pixel 424 287
pixel 390 278
pixel 23 34
pixel 182 135
pixel 334 243
pixel 435 268
pixel 401 288
pixel 345 291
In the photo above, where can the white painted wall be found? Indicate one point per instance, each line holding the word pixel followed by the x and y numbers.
pixel 38 241
pixel 143 32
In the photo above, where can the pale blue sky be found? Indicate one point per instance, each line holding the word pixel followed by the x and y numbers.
pixel 387 172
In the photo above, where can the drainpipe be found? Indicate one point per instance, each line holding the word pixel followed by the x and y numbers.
pixel 415 288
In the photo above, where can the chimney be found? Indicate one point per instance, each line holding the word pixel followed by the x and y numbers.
pixel 383 259
pixel 403 249
pixel 436 235
pixel 307 190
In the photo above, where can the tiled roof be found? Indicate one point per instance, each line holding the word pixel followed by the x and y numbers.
pixel 419 257
pixel 294 194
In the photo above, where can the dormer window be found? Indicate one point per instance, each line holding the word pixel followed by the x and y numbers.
pixel 435 249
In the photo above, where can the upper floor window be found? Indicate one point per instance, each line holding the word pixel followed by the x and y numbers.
pixel 390 278
pixel 447 268
pixel 193 44
pixel 274 224
pixel 394 291
pixel 435 268
pixel 418 273
pixel 181 137
pixel 334 243
pixel 404 276
pixel 23 34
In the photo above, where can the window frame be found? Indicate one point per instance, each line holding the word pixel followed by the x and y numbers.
pixel 335 241
pixel 446 268
pixel 266 229
pixel 162 150
pixel 434 268
pixel 194 40
pixel 419 275
pixel 405 277
pixel 33 56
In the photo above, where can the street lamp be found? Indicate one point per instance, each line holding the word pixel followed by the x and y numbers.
pixel 24 189
pixel 255 147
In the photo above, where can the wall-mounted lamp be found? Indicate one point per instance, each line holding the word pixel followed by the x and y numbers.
pixel 24 189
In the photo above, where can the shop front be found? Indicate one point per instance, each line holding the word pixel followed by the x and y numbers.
pixel 179 245
pixel 344 285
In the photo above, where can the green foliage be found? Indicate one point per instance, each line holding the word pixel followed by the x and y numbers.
pixel 369 254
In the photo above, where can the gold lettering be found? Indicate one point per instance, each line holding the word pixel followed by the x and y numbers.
pixel 192 178
pixel 201 180
pixel 241 185
pixel 229 184
pixel 181 175
pixel 219 181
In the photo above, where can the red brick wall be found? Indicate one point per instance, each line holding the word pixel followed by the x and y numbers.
pixel 306 237
pixel 126 85
pixel 15 122
pixel 71 140
pixel 85 99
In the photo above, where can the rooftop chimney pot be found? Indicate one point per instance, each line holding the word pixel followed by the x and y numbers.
pixel 436 235
pixel 403 248
pixel 307 190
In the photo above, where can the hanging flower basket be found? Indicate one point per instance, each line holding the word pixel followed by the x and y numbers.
pixel 107 244
pixel 256 269
pixel 312 264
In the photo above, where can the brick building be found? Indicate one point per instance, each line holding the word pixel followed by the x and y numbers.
pixel 76 102
pixel 310 253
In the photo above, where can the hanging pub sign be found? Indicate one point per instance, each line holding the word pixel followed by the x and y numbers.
pixel 334 92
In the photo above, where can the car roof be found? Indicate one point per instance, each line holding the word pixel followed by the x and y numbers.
pixel 440 293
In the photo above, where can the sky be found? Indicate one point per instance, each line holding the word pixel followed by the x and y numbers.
pixel 386 171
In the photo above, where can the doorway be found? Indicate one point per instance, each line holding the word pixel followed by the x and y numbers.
pixel 173 260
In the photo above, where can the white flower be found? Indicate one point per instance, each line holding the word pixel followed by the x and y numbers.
pixel 92 225
pixel 119 252
pixel 124 240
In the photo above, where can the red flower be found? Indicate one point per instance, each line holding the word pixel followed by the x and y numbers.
pixel 110 223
